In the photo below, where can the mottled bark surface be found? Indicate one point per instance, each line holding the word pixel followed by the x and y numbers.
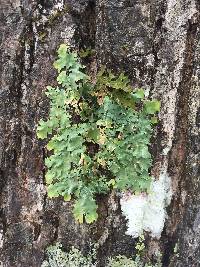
pixel 157 43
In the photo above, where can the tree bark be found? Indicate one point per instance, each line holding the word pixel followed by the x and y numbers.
pixel 157 43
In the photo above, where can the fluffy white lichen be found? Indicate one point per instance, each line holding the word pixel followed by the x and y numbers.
pixel 147 212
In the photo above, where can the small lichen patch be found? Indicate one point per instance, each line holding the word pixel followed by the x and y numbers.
pixel 1 238
pixel 146 212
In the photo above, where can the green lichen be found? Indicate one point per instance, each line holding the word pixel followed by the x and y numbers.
pixel 99 133
pixel 74 258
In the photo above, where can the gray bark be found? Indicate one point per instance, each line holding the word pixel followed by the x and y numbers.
pixel 157 43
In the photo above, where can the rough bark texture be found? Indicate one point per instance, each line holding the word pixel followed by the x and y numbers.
pixel 157 43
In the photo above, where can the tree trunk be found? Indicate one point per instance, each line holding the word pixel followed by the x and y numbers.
pixel 157 43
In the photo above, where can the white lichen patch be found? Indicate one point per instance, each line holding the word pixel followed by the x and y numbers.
pixel 147 212
pixel 1 239
pixel 59 5
pixel 68 34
